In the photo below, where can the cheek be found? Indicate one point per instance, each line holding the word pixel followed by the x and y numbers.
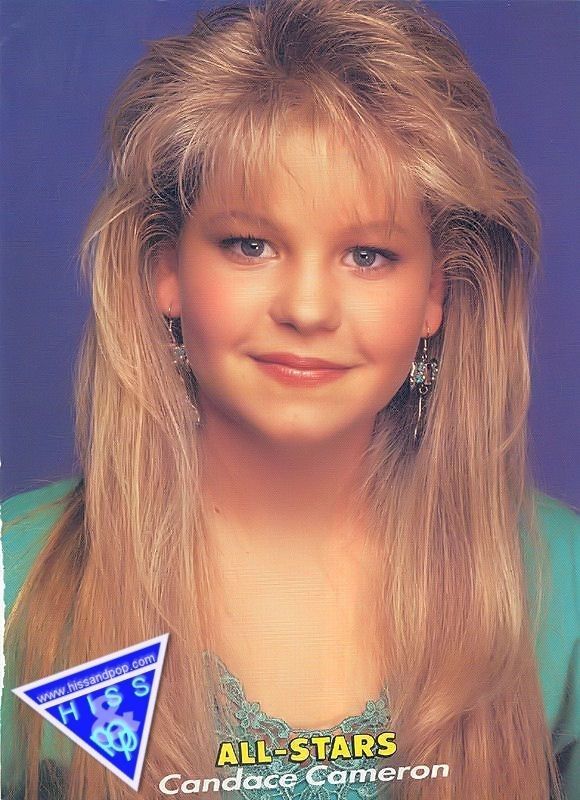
pixel 217 313
pixel 389 330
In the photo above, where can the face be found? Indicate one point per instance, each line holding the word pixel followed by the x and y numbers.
pixel 301 312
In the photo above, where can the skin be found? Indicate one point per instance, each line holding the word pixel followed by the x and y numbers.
pixel 282 463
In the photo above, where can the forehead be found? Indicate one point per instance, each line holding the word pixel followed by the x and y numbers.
pixel 313 174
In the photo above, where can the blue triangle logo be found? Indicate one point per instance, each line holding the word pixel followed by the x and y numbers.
pixel 106 705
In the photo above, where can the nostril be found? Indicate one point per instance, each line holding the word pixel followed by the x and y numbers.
pixel 307 306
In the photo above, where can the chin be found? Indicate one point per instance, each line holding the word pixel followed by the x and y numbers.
pixel 289 424
pixel 300 430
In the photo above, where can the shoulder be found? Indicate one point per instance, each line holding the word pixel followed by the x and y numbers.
pixel 559 523
pixel 559 529
pixel 558 625
pixel 26 521
pixel 35 500
pixel 555 604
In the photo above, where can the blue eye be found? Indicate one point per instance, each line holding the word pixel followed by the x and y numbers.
pixel 251 247
pixel 365 258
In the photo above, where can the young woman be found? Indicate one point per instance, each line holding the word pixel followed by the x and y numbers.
pixel 302 404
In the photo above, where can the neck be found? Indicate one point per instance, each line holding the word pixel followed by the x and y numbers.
pixel 271 489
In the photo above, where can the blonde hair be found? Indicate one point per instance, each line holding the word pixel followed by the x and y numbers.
pixel 130 557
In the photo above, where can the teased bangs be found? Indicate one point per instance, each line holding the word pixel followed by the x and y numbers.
pixel 241 157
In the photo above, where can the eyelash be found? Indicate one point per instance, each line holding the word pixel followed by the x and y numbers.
pixel 227 244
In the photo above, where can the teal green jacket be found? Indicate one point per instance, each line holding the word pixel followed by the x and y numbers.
pixel 32 514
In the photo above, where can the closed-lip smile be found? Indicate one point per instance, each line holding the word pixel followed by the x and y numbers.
pixel 299 362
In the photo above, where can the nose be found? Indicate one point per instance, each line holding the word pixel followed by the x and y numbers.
pixel 307 297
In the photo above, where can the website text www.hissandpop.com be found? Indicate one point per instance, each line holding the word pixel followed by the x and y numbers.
pixel 75 685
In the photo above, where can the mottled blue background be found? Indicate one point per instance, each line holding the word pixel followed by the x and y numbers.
pixel 61 62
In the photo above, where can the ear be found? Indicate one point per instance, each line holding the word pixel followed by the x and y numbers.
pixel 434 310
pixel 166 280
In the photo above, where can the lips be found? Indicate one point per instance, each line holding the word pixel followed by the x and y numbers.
pixel 299 362
pixel 299 371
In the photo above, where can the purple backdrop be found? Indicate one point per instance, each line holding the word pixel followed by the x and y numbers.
pixel 61 61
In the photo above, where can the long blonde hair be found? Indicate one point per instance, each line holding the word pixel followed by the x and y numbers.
pixel 129 559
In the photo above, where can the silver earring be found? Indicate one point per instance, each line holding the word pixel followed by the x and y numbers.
pixel 422 378
pixel 179 357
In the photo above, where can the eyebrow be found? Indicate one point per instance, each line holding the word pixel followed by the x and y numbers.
pixel 378 226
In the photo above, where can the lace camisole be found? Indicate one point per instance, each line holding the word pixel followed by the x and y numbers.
pixel 245 721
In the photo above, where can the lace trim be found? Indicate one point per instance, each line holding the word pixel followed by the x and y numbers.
pixel 247 722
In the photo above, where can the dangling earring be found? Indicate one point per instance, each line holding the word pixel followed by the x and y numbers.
pixel 422 377
pixel 181 361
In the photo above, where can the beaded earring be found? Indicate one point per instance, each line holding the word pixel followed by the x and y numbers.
pixel 422 378
pixel 179 357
